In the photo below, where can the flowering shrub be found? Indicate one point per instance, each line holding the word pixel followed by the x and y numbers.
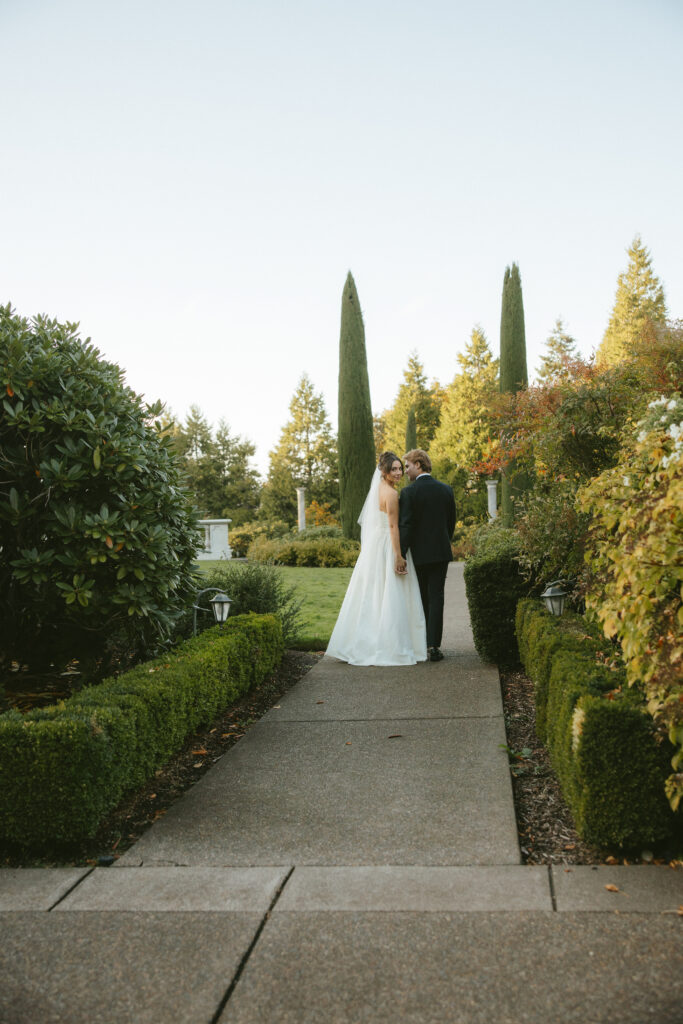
pixel 636 574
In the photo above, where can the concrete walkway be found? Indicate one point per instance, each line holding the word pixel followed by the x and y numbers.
pixel 353 859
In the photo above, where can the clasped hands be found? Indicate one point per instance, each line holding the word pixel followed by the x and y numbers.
pixel 400 566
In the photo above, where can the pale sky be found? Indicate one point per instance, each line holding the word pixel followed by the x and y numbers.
pixel 192 181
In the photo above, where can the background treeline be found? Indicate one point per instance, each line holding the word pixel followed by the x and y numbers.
pixel 462 423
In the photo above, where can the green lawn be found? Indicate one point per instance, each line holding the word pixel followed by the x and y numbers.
pixel 322 592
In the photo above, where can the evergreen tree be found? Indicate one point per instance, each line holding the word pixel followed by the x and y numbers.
pixel 217 469
pixel 411 430
pixel 379 429
pixel 466 412
pixel 305 456
pixel 560 349
pixel 240 491
pixel 639 300
pixel 513 372
pixel 466 424
pixel 193 442
pixel 193 439
pixel 356 436
pixel 423 399
pixel 513 376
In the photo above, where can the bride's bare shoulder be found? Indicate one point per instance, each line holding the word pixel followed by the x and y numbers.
pixel 388 497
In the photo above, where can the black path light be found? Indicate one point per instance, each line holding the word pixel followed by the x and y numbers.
pixel 554 597
pixel 220 605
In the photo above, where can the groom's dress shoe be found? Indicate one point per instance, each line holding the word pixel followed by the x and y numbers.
pixel 435 654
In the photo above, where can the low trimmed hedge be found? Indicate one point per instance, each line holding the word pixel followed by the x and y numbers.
pixel 242 536
pixel 63 768
pixel 494 584
pixel 610 763
pixel 324 552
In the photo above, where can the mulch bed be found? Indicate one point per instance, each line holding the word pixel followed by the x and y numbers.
pixel 544 822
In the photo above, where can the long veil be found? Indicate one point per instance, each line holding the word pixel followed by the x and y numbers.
pixel 370 518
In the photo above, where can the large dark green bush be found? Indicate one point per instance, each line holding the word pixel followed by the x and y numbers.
pixel 64 767
pixel 97 534
pixel 610 763
pixel 494 584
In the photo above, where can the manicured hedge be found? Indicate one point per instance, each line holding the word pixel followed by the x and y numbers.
pixel 494 584
pixel 325 552
pixel 609 762
pixel 64 767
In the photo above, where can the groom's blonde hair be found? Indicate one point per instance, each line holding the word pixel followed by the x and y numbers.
pixel 420 458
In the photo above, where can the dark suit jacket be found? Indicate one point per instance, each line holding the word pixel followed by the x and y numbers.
pixel 426 520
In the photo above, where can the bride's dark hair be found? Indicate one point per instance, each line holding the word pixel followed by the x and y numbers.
pixel 386 461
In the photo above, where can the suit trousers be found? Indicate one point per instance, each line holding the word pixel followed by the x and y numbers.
pixel 432 580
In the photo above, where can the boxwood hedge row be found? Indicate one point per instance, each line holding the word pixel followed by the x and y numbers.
pixel 610 763
pixel 62 768
pixel 493 585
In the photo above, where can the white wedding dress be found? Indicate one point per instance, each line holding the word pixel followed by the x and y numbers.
pixel 381 621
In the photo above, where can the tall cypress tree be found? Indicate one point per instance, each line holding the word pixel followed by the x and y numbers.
pixel 411 430
pixel 356 438
pixel 513 375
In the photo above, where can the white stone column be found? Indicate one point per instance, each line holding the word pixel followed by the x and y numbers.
pixel 492 488
pixel 301 502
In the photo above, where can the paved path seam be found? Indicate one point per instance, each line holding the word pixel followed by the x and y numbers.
pixel 392 718
pixel 79 881
pixel 245 958
pixel 641 889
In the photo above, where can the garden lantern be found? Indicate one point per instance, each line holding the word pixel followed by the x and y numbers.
pixel 554 597
pixel 220 605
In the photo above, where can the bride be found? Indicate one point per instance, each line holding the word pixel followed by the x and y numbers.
pixel 381 621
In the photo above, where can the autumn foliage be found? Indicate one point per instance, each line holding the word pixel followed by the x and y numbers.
pixel 635 571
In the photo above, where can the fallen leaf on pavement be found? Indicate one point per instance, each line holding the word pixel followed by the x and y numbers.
pixel 612 888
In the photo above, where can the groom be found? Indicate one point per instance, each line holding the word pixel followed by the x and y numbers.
pixel 426 520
